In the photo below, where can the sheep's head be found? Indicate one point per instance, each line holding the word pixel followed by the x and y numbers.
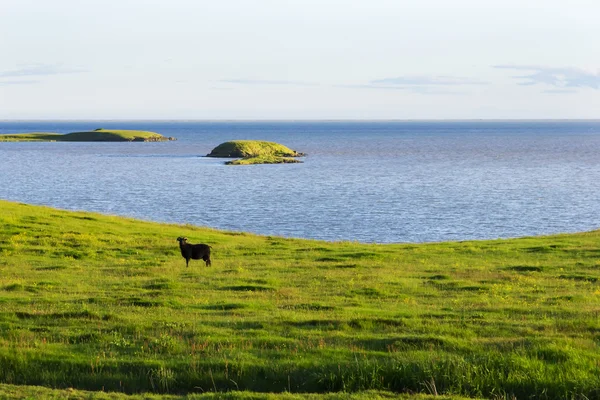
pixel 181 239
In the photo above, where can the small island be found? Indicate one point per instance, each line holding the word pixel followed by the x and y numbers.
pixel 255 152
pixel 97 135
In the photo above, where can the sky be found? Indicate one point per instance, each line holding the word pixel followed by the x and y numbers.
pixel 299 59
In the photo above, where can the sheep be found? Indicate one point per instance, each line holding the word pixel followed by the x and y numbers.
pixel 194 251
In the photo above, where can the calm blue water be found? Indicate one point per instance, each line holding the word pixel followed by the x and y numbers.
pixel 363 181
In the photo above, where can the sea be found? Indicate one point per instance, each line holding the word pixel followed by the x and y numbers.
pixel 363 181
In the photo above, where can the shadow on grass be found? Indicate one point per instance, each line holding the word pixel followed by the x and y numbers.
pixel 249 288
pixel 525 268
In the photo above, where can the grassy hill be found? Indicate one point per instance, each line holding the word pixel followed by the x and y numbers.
pixel 96 302
pixel 98 135
pixel 255 152
pixel 252 148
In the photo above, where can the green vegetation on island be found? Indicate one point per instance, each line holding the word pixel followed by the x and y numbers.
pixel 255 152
pixel 263 160
pixel 31 137
pixel 103 303
pixel 98 135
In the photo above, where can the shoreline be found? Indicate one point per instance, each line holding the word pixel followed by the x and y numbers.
pixel 258 234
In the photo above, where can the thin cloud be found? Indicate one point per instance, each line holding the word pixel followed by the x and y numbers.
pixel 266 82
pixel 424 80
pixel 410 88
pixel 28 82
pixel 560 91
pixel 557 77
pixel 39 70
pixel 415 84
pixel 422 84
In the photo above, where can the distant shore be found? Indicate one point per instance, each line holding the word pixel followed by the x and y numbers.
pixel 97 135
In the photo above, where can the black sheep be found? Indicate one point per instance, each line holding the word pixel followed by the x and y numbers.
pixel 194 251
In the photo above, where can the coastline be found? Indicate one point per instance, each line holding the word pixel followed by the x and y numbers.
pixel 483 180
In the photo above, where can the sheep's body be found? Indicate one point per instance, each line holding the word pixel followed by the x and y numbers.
pixel 194 251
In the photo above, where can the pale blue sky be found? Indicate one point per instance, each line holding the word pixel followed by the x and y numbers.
pixel 299 59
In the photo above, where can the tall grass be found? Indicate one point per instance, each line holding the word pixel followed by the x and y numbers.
pixel 98 303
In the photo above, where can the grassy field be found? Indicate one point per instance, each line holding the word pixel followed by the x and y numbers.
pixel 98 135
pixel 40 392
pixel 101 303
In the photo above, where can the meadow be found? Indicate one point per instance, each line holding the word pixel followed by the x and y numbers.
pixel 91 304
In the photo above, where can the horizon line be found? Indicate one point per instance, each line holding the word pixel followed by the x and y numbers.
pixel 293 119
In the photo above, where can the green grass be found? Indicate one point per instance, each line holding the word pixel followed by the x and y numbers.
pixel 40 392
pixel 101 303
pixel 98 135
